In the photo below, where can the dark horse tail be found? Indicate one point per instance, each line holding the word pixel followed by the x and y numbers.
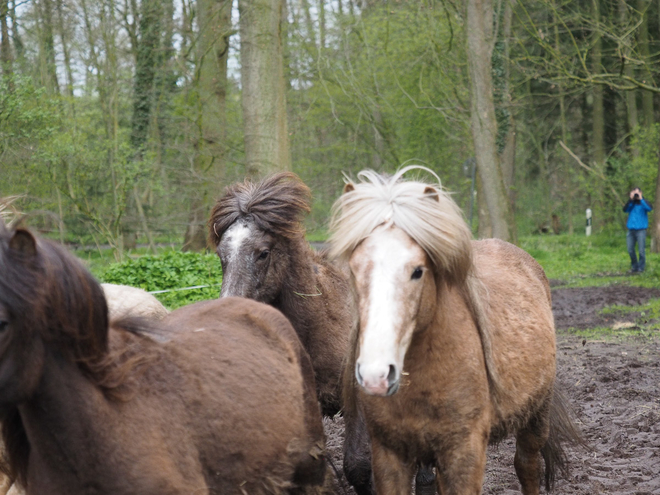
pixel 563 431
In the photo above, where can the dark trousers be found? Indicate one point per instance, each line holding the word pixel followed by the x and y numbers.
pixel 639 237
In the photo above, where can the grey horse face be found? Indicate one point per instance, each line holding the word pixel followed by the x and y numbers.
pixel 254 262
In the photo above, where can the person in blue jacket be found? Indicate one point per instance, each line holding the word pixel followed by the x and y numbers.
pixel 638 221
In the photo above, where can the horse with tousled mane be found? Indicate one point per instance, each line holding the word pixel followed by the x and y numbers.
pixel 455 345
pixel 260 240
pixel 213 399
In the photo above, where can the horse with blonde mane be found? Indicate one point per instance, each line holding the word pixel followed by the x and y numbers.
pixel 455 345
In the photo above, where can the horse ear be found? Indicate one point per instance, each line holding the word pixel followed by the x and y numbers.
pixel 431 192
pixel 348 187
pixel 23 242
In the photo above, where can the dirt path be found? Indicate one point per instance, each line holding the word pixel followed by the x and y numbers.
pixel 614 390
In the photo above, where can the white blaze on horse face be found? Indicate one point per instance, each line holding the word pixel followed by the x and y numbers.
pixel 382 266
pixel 236 235
pixel 232 241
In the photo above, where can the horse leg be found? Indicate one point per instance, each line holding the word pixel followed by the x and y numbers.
pixel 357 453
pixel 460 471
pixel 527 461
pixel 390 473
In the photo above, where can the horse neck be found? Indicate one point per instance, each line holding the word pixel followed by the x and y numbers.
pixel 65 415
pixel 299 300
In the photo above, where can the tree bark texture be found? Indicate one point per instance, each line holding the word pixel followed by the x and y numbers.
pixel 6 58
pixel 145 71
pixel 484 123
pixel 47 47
pixel 263 89
pixel 643 43
pixel 598 114
pixel 212 49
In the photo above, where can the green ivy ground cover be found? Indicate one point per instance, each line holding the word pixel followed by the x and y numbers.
pixel 169 270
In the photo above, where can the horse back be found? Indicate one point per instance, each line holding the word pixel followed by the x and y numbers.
pixel 518 304
pixel 250 392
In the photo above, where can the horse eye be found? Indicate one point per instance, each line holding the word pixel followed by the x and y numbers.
pixel 417 273
pixel 264 254
pixel 3 325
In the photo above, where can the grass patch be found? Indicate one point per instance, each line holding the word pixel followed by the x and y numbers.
pixel 598 260
pixel 610 334
pixel 166 271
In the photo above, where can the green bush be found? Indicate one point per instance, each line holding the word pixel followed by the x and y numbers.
pixel 170 270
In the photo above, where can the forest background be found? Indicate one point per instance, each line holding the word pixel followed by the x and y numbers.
pixel 123 120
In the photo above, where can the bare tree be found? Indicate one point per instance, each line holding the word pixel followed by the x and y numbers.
pixel 484 123
pixel 211 82
pixel 263 88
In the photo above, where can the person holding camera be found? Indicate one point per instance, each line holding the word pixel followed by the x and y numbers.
pixel 638 221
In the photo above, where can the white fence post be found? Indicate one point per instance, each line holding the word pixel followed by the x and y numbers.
pixel 588 230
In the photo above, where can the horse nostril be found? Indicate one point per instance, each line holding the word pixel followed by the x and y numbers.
pixel 391 376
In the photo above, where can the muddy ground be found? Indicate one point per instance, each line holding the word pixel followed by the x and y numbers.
pixel 613 387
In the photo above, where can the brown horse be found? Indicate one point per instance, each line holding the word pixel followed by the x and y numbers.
pixel 214 399
pixel 455 344
pixel 264 254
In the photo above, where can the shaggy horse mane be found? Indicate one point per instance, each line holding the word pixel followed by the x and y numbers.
pixel 276 204
pixel 425 212
pixel 59 299
pixel 428 214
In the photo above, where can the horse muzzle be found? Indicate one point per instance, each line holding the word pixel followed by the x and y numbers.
pixel 381 382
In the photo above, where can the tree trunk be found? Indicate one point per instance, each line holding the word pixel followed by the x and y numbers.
pixel 212 49
pixel 484 123
pixel 598 113
pixel 145 71
pixel 655 226
pixel 6 58
pixel 263 89
pixel 508 153
pixel 65 50
pixel 485 229
pixel 598 119
pixel 643 43
pixel 47 47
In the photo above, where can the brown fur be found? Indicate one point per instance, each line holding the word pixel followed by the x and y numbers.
pixel 276 204
pixel 222 406
pixel 312 292
pixel 445 413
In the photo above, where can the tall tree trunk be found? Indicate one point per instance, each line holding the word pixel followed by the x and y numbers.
pixel 484 123
pixel 263 89
pixel 485 229
pixel 47 47
pixel 6 58
pixel 643 43
pixel 631 96
pixel 508 153
pixel 65 49
pixel 598 139
pixel 19 47
pixel 212 49
pixel 321 8
pixel 566 168
pixel 598 118
pixel 655 226
pixel 145 72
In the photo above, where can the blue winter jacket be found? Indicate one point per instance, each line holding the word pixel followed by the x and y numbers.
pixel 637 214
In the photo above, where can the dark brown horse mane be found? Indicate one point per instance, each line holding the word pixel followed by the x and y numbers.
pixel 58 298
pixel 277 204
